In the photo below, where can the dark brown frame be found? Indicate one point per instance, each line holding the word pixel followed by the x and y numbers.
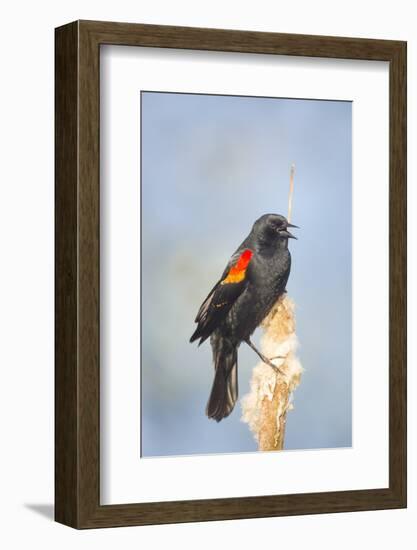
pixel 77 357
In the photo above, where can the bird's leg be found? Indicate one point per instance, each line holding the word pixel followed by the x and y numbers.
pixel 262 356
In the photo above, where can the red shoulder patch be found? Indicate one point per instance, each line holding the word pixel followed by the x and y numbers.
pixel 238 270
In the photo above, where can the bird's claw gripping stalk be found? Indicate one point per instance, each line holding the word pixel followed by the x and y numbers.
pixel 265 359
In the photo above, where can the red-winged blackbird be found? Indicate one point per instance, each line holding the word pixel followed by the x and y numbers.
pixel 252 282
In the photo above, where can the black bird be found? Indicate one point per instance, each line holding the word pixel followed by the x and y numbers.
pixel 254 279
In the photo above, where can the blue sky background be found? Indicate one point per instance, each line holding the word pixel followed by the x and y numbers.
pixel 211 165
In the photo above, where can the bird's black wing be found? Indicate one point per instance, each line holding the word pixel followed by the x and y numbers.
pixel 223 295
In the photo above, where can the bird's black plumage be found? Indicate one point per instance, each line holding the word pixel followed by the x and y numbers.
pixel 254 279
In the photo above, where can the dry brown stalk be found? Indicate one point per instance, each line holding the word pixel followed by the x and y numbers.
pixel 291 192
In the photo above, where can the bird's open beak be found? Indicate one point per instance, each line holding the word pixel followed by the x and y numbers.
pixel 286 233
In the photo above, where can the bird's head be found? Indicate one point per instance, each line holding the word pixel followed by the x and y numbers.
pixel 272 229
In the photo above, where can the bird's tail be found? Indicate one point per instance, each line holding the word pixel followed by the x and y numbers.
pixel 224 392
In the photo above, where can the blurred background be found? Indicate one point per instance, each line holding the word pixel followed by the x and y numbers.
pixel 211 165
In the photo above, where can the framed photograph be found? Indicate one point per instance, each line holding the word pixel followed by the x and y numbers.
pixel 230 274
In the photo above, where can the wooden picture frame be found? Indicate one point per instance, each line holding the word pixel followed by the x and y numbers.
pixel 77 374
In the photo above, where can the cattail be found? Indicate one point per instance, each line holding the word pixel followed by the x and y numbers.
pixel 265 407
